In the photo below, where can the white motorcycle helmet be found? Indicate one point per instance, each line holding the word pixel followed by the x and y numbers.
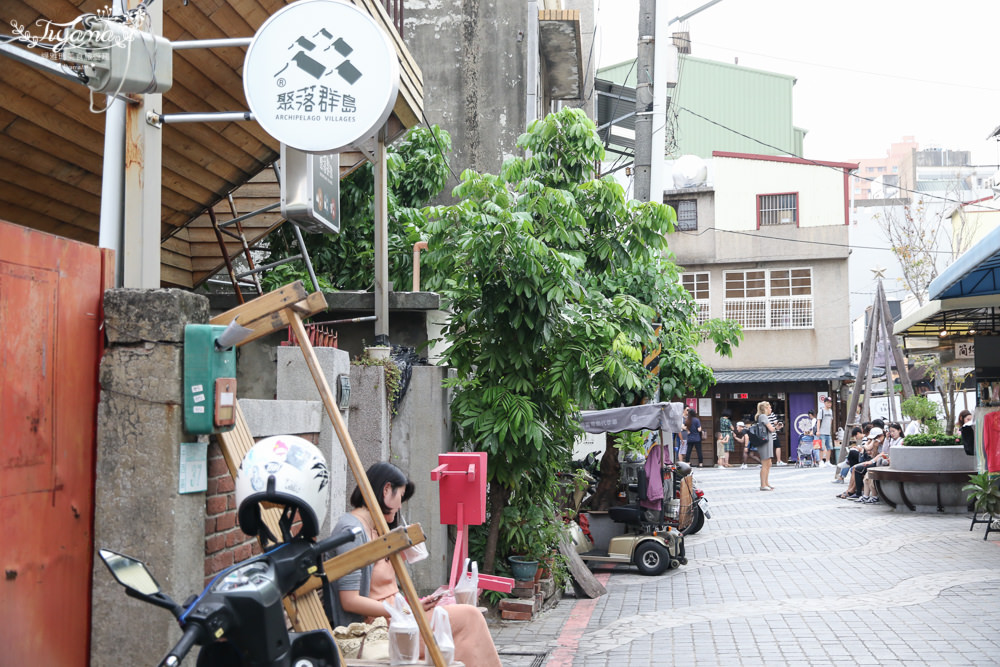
pixel 285 470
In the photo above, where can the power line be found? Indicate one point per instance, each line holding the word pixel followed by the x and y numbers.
pixel 854 71
pixel 822 164
pixel 758 235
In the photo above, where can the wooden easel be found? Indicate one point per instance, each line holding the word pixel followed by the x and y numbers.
pixel 273 312
pixel 879 329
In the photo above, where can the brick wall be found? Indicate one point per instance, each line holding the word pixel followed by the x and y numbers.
pixel 225 543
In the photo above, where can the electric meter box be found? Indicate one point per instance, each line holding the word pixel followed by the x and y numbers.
pixel 209 381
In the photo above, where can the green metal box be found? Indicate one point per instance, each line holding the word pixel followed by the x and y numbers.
pixel 204 363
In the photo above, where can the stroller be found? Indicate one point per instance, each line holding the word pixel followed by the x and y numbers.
pixel 805 451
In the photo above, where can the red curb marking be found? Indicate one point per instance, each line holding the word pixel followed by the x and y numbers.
pixel 569 639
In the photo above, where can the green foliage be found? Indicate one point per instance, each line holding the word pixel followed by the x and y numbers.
pixel 920 407
pixel 417 172
pixel 393 377
pixel 932 440
pixel 555 281
pixel 984 490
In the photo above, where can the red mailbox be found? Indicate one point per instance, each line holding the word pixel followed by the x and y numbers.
pixel 463 484
pixel 462 476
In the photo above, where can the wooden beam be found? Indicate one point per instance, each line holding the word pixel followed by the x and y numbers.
pixel 392 542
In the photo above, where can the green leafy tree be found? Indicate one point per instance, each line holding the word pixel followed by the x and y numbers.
pixel 417 172
pixel 554 281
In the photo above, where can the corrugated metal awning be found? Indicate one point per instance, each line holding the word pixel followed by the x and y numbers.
pixel 975 273
pixel 821 373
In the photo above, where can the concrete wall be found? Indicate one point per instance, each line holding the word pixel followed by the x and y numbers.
pixel 296 384
pixel 476 93
pixel 138 511
pixel 420 431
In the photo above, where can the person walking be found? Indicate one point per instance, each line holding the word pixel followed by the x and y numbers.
pixel 694 438
pixel 824 430
pixel 766 451
pixel 725 438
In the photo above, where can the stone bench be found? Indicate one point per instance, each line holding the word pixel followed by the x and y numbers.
pixel 919 490
pixel 925 479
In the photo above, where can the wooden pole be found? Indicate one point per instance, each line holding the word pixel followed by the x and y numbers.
pixel 357 468
pixel 863 365
pixel 897 355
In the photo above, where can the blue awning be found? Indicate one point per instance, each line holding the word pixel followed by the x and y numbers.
pixel 975 273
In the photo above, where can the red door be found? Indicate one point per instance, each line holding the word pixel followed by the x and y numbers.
pixel 50 344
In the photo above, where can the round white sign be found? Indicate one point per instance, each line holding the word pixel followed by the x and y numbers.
pixel 320 74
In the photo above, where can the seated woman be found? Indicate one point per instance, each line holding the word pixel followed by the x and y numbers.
pixel 359 595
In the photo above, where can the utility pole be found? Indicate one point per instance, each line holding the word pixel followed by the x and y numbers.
pixel 656 73
pixel 644 98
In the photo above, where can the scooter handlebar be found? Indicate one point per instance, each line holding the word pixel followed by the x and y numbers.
pixel 181 648
pixel 334 541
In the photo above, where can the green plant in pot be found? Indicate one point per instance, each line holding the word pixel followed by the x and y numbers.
pixel 984 491
pixel 531 535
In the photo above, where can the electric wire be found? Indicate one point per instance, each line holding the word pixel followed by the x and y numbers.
pixel 928 195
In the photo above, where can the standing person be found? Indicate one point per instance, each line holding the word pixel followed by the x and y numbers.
pixel 682 446
pixel 766 450
pixel 725 438
pixel 694 437
pixel 824 430
pixel 773 418
pixel 742 440
pixel 963 417
pixel 913 428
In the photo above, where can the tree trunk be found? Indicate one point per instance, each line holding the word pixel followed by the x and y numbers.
pixel 606 495
pixel 498 494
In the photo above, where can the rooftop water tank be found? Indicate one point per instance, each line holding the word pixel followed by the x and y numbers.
pixel 689 171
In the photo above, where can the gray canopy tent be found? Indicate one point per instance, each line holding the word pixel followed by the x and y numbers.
pixel 667 417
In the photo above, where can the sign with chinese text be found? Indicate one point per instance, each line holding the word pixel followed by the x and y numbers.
pixel 310 190
pixel 965 350
pixel 320 75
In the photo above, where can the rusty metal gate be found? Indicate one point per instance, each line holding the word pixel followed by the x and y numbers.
pixel 50 345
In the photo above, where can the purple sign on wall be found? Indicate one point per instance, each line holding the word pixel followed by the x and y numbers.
pixel 799 406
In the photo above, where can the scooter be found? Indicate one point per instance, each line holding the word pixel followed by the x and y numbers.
pixel 239 618
pixel 635 535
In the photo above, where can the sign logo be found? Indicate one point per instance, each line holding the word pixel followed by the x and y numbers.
pixel 320 74
pixel 97 30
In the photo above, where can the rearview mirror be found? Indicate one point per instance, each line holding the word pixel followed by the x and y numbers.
pixel 130 572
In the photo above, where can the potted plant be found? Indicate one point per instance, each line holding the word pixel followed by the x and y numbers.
pixel 984 492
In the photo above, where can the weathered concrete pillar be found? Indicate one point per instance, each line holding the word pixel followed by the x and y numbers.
pixel 138 510
pixel 370 417
pixel 296 383
pixel 420 431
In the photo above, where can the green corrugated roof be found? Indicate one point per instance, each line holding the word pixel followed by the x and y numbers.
pixel 723 107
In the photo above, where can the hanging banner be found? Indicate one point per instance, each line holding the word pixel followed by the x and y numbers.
pixel 320 75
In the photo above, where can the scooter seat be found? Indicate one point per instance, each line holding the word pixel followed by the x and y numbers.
pixel 630 514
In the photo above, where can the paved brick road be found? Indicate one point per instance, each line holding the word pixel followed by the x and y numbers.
pixel 789 577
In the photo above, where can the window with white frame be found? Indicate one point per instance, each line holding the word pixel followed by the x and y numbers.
pixel 687 214
pixel 778 209
pixel 696 283
pixel 770 298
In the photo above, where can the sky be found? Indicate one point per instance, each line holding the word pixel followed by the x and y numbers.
pixel 868 72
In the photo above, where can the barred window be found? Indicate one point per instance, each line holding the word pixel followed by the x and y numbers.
pixel 687 214
pixel 780 209
pixel 698 285
pixel 770 299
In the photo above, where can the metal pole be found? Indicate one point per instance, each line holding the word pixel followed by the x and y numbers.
pixel 113 178
pixel 210 43
pixel 382 287
pixel 305 255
